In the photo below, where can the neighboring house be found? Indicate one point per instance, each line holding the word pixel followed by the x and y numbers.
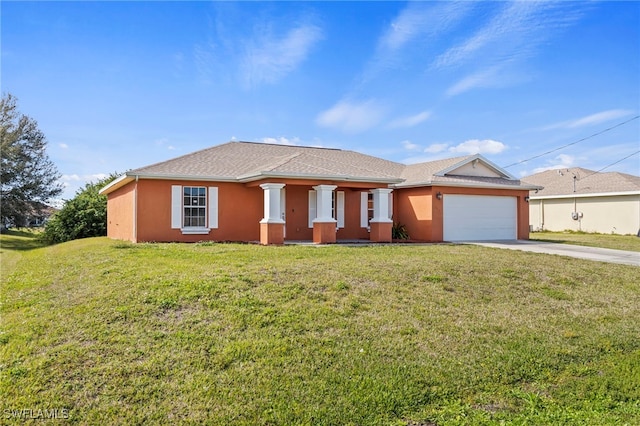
pixel 579 199
pixel 245 191
pixel 40 217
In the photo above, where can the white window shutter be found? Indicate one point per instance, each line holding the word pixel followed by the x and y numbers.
pixel 176 206
pixel 364 209
pixel 213 207
pixel 312 207
pixel 391 205
pixel 340 208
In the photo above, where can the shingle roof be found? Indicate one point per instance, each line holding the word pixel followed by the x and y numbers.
pixel 561 182
pixel 249 161
pixel 244 160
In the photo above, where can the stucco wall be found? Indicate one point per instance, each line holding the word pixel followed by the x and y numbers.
pixel 120 213
pixel 240 209
pixel 422 213
pixel 604 214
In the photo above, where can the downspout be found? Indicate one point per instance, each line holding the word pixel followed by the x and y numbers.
pixel 135 211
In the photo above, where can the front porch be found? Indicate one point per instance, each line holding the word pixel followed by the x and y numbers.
pixel 325 214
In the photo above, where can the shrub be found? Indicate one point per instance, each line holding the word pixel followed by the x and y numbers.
pixel 83 216
pixel 399 232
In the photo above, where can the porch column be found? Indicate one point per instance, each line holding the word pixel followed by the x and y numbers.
pixel 272 225
pixel 381 223
pixel 324 225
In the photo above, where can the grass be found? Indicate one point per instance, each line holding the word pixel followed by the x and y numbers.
pixel 618 242
pixel 118 333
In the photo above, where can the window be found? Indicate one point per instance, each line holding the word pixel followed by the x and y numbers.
pixel 195 207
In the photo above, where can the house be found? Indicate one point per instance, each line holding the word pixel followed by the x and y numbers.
pixel 245 191
pixel 579 199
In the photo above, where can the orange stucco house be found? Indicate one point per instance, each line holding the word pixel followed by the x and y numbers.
pixel 245 191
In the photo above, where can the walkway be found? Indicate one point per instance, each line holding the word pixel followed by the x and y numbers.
pixel 581 252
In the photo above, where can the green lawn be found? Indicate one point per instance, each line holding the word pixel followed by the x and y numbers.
pixel 619 242
pixel 222 334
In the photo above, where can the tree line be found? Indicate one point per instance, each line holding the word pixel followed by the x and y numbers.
pixel 30 181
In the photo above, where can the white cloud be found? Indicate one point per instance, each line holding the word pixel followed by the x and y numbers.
pixel 411 32
pixel 515 32
pixel 70 178
pixel 590 120
pixel 477 146
pixel 86 178
pixel 562 161
pixel 163 142
pixel 436 148
pixel 281 141
pixel 254 48
pixel 351 117
pixel 484 78
pixel 420 19
pixel 63 145
pixel 267 58
pixel 410 146
pixel 410 121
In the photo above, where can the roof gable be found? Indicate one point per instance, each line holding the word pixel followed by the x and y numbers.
pixel 477 166
pixel 471 170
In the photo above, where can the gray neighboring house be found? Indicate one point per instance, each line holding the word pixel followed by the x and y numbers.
pixel 578 199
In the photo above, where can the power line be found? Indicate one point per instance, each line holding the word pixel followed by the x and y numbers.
pixel 575 142
pixel 612 164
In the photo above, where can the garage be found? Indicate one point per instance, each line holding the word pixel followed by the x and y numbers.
pixel 479 217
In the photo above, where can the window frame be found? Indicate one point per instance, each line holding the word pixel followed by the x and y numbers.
pixel 200 205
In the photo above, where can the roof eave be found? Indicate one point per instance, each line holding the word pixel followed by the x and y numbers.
pixel 587 195
pixel 185 177
pixel 469 185
pixel 252 177
pixel 116 184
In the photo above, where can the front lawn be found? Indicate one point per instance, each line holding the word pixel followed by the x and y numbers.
pixel 116 333
pixel 612 241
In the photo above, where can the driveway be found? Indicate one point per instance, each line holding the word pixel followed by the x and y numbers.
pixel 581 252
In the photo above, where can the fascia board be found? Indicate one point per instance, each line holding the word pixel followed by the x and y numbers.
pixel 595 194
pixel 468 185
pixel 185 177
pixel 117 183
pixel 344 178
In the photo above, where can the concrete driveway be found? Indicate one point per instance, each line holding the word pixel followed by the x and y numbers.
pixel 581 252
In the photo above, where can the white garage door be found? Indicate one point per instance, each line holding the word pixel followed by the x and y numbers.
pixel 479 217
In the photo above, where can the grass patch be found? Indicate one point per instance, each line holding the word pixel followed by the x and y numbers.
pixel 617 242
pixel 246 334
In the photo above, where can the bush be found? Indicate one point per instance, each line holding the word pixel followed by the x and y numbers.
pixel 83 216
pixel 399 232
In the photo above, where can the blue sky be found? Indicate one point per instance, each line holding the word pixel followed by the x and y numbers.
pixel 120 85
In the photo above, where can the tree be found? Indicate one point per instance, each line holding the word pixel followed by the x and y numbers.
pixel 84 216
pixel 28 178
